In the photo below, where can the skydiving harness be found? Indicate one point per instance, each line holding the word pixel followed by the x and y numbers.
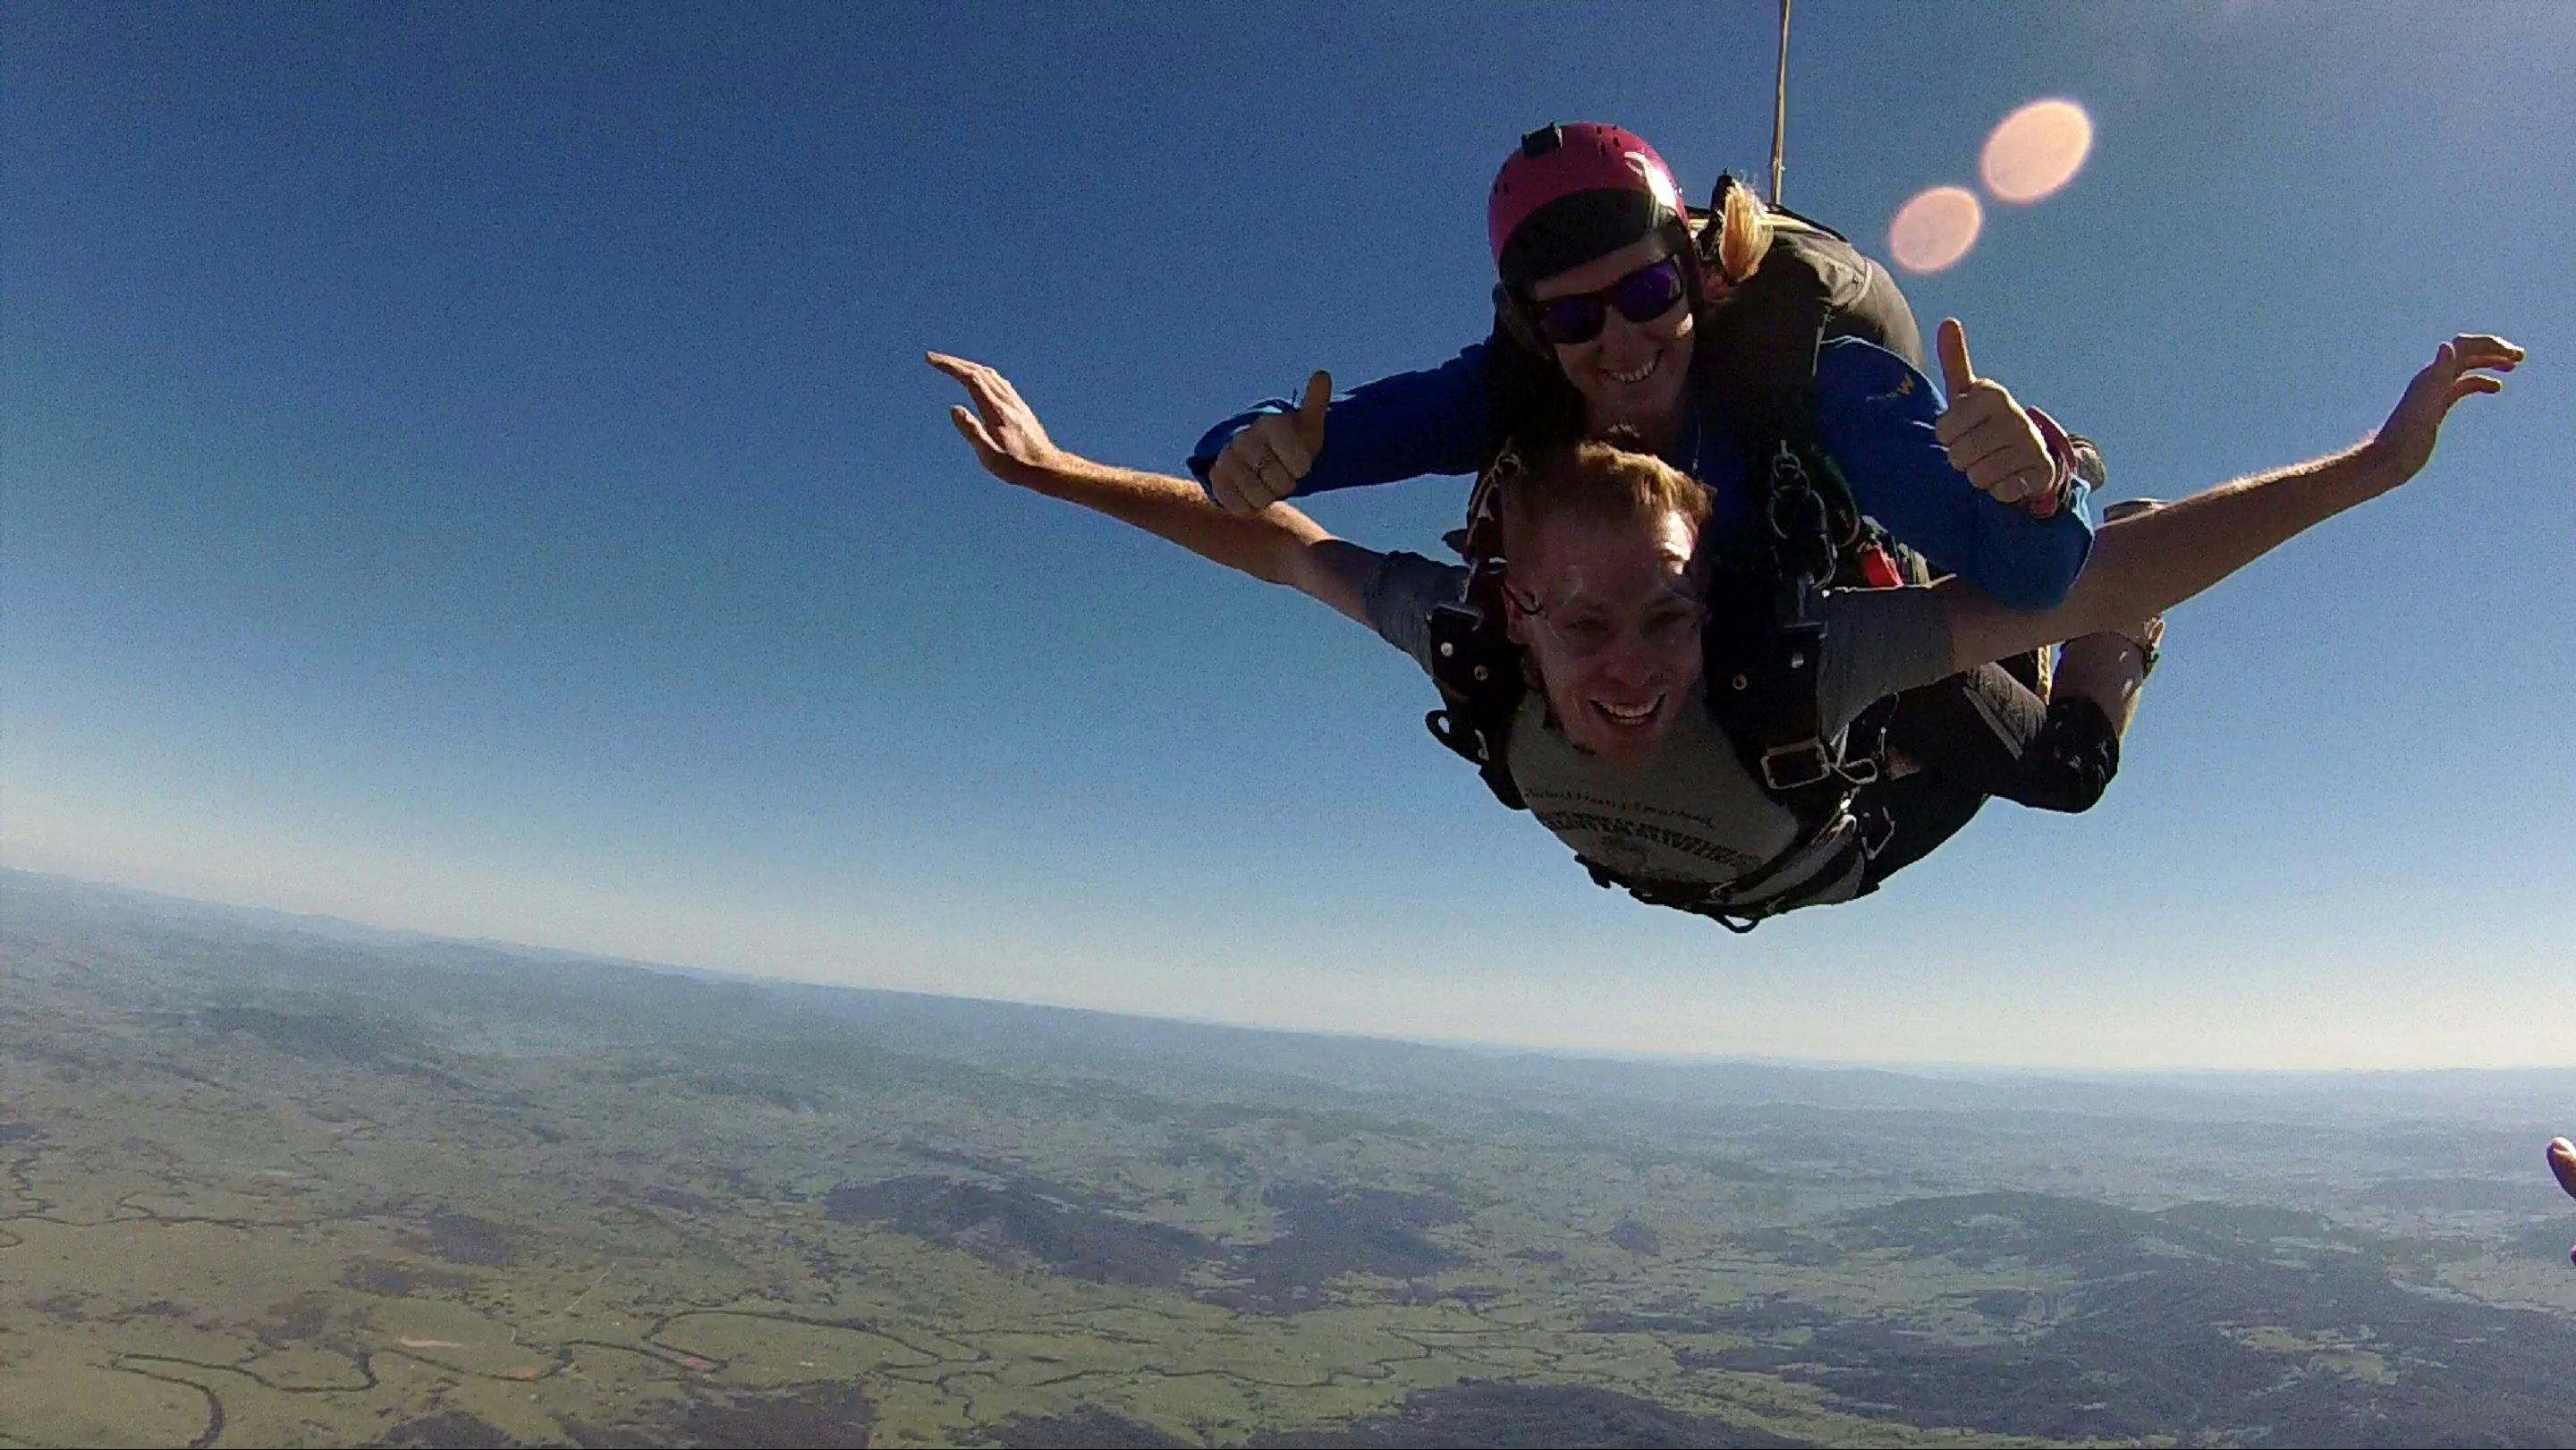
pixel 1765 639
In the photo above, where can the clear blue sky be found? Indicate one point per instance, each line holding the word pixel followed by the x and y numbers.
pixel 470 467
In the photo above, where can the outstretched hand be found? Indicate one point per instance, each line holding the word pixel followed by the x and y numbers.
pixel 1991 438
pixel 2459 368
pixel 1265 462
pixel 1001 428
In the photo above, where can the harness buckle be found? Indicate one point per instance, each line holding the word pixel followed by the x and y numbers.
pixel 1790 491
pixel 1802 530
pixel 1802 763
pixel 1877 827
pixel 1785 464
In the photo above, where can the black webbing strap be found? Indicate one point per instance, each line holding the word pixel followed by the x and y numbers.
pixel 1765 685
pixel 1478 675
pixel 1473 661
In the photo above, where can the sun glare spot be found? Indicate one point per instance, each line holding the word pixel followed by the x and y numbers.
pixel 1935 229
pixel 2036 150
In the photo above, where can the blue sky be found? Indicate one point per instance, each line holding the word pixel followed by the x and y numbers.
pixel 470 468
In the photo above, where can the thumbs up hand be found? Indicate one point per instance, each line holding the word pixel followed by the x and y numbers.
pixel 1991 438
pixel 1266 461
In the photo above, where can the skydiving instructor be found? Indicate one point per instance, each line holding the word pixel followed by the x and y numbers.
pixel 1607 596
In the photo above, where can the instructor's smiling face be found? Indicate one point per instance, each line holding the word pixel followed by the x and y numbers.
pixel 1612 621
pixel 1634 373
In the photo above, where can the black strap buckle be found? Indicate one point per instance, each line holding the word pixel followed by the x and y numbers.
pixel 1801 524
pixel 1799 763
pixel 1465 739
pixel 1877 828
pixel 1792 489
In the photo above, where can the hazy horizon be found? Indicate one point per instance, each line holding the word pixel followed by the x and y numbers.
pixel 309 920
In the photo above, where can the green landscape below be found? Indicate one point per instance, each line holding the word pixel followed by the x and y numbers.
pixel 268 1180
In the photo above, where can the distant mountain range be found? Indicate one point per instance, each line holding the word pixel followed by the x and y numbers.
pixel 2516 1096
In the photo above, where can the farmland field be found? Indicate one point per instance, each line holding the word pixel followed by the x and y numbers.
pixel 279 1181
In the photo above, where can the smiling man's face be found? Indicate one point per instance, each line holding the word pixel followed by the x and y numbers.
pixel 1612 620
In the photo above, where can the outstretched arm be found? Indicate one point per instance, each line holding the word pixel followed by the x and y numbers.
pixel 2149 563
pixel 1278 545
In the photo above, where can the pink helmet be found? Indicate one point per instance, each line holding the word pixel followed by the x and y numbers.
pixel 1572 193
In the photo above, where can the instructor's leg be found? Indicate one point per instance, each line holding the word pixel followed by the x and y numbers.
pixel 1923 810
pixel 2110 669
pixel 1974 735
pixel 1984 731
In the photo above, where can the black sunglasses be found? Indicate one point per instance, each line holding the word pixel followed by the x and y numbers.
pixel 1641 296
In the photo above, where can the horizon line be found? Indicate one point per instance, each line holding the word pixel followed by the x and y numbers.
pixel 303 920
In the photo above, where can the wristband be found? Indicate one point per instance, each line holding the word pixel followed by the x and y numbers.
pixel 2061 454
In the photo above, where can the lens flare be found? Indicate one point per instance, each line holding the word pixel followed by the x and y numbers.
pixel 1935 229
pixel 2036 150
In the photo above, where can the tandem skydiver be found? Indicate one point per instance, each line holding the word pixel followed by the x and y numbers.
pixel 1620 733
pixel 1611 313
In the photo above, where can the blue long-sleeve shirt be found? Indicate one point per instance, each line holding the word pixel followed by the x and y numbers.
pixel 1874 414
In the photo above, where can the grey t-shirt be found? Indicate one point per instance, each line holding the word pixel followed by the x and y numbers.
pixel 1692 813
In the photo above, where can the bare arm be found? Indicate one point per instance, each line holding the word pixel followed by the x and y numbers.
pixel 2158 559
pixel 1278 545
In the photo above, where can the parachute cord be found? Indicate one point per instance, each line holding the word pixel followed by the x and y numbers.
pixel 1780 105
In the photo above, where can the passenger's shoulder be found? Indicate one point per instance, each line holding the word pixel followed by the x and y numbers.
pixel 1877 608
pixel 1399 594
pixel 1434 581
pixel 1880 641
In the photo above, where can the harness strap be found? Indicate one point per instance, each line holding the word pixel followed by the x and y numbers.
pixel 1476 668
pixel 1480 686
pixel 1767 691
pixel 1828 854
